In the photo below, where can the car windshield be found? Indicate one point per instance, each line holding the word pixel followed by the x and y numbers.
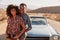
pixel 38 21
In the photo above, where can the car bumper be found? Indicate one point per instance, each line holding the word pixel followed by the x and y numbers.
pixel 37 38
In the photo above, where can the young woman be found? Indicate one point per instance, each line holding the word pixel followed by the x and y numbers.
pixel 15 23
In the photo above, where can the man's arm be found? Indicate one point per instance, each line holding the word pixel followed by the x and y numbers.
pixel 29 24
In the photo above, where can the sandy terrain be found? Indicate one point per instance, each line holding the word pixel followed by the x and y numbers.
pixel 55 24
pixel 3 27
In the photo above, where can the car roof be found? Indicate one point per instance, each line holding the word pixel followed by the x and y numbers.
pixel 36 17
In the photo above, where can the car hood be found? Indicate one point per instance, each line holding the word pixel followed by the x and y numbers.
pixel 42 30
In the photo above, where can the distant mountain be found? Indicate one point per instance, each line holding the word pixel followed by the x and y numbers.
pixel 28 9
pixel 54 9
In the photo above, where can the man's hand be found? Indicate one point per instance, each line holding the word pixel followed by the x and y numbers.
pixel 27 29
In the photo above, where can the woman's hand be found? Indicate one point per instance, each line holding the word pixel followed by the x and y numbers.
pixel 6 35
pixel 16 37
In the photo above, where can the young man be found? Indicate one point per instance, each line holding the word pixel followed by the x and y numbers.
pixel 23 9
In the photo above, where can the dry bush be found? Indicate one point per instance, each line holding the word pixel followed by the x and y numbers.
pixel 2 14
pixel 53 16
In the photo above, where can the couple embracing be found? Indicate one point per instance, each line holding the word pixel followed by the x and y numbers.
pixel 17 21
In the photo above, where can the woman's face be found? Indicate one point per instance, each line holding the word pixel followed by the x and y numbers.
pixel 13 12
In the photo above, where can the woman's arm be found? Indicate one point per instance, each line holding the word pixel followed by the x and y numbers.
pixel 23 28
pixel 8 24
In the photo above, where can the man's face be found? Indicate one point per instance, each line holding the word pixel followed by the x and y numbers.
pixel 23 9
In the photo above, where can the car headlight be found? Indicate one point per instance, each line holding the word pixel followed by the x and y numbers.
pixel 55 37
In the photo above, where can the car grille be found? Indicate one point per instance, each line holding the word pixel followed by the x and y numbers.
pixel 37 38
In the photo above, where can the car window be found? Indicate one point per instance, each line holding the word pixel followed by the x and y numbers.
pixel 38 21
pixel 41 22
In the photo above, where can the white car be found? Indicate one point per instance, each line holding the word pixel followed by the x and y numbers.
pixel 41 30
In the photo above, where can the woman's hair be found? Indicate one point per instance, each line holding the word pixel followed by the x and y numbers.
pixel 8 11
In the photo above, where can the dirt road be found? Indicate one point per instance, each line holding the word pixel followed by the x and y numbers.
pixel 54 24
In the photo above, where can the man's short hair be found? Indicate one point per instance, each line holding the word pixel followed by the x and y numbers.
pixel 23 4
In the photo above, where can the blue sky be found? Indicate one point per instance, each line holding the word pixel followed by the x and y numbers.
pixel 32 4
